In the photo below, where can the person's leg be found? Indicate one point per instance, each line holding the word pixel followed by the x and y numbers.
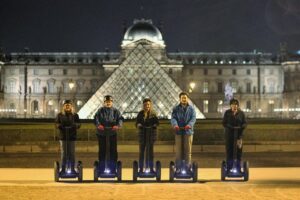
pixel 239 156
pixel 151 157
pixel 71 150
pixel 229 137
pixel 63 155
pixel 141 151
pixel 101 153
pixel 188 143
pixel 178 149
pixel 113 152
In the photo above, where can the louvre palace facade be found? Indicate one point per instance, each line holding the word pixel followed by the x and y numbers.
pixel 35 85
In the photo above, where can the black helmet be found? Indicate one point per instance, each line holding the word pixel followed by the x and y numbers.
pixel 234 101
pixel 68 102
pixel 108 98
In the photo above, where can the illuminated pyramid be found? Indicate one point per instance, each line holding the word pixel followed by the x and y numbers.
pixel 139 76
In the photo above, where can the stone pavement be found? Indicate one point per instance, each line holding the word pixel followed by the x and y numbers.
pixel 264 183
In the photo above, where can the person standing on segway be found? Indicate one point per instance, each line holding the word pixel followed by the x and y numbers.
pixel 234 118
pixel 108 117
pixel 183 119
pixel 146 118
pixel 67 122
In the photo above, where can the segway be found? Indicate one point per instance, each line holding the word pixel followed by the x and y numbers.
pixel 147 172
pixel 107 172
pixel 182 171
pixel 68 172
pixel 236 171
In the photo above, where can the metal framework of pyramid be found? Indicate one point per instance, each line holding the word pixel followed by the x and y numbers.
pixel 139 76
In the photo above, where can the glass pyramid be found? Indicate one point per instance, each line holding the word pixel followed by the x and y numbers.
pixel 139 76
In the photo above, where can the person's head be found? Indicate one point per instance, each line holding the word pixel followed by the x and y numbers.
pixel 108 101
pixel 183 97
pixel 147 104
pixel 67 106
pixel 234 104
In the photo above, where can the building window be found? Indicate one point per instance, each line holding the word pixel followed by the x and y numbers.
pixel 170 71
pixel 50 71
pixel 205 71
pixel 35 72
pixel 248 71
pixel 65 71
pixel 220 71
pixel 234 86
pixel 271 106
pixel 11 87
pixel 94 84
pixel 271 87
pixel 51 86
pixel 191 71
pixel 66 87
pixel 248 106
pixel 205 87
pixel 220 106
pixel 35 106
pixel 205 106
pixel 248 87
pixel 36 86
pixel 220 87
pixel 234 72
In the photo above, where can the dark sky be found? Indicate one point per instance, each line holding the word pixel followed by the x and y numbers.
pixel 188 25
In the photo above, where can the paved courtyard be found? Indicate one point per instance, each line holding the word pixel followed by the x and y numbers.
pixel 37 183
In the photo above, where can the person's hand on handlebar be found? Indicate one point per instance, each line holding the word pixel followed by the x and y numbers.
pixel 101 127
pixel 176 128
pixel 239 143
pixel 187 127
pixel 115 128
pixel 139 125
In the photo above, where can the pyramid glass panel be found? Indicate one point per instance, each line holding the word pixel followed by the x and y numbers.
pixel 139 76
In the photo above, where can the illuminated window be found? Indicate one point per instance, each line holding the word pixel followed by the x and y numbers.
pixel 205 87
pixel 220 106
pixel 36 86
pixel 234 86
pixel 205 106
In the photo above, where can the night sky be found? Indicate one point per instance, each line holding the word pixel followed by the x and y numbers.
pixel 188 25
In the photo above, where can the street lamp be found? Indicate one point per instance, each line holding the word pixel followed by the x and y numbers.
pixel 71 84
pixel 192 86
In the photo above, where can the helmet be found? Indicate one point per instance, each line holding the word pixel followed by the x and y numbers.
pixel 68 102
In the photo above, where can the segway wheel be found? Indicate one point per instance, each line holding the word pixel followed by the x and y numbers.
pixel 119 171
pixel 223 170
pixel 96 164
pixel 158 171
pixel 135 170
pixel 56 171
pixel 171 171
pixel 246 171
pixel 195 171
pixel 80 171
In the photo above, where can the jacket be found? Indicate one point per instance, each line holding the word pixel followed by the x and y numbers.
pixel 108 117
pixel 67 123
pixel 238 120
pixel 182 117
pixel 150 121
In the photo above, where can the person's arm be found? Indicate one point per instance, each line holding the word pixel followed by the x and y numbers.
pixel 174 120
pixel 58 122
pixel 77 121
pixel 243 126
pixel 120 119
pixel 225 121
pixel 192 120
pixel 139 121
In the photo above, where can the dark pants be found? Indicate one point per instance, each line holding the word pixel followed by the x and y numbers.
pixel 146 140
pixel 111 156
pixel 229 139
pixel 67 149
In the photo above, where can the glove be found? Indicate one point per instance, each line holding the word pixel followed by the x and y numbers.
pixel 101 127
pixel 176 128
pixel 139 125
pixel 239 143
pixel 115 128
pixel 187 127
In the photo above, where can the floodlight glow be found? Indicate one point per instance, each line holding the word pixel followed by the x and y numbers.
pixel 107 171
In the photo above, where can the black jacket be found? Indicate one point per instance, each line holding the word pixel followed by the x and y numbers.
pixel 150 121
pixel 230 121
pixel 67 123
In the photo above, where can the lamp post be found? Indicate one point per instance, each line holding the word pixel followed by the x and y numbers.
pixel 191 87
pixel 71 86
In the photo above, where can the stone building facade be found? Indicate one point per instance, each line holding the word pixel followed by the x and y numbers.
pixel 34 85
